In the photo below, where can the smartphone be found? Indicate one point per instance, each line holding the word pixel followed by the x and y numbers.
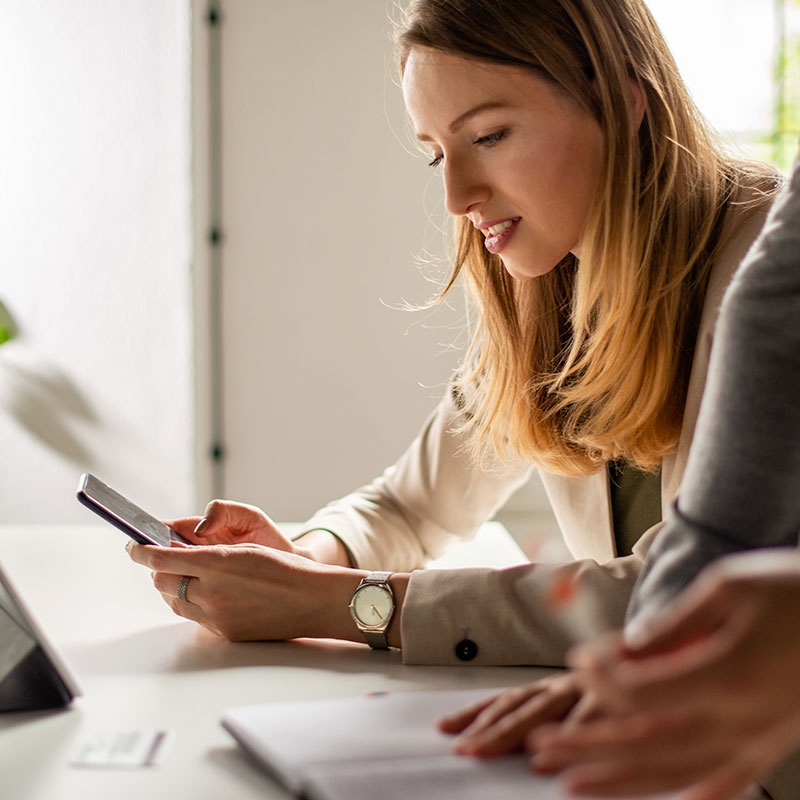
pixel 123 514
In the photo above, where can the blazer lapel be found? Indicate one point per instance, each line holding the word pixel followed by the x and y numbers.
pixel 582 507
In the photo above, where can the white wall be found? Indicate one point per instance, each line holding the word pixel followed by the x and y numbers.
pixel 322 219
pixel 96 247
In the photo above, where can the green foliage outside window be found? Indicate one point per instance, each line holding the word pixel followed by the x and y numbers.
pixel 780 145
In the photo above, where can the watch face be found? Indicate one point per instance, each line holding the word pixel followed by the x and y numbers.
pixel 373 606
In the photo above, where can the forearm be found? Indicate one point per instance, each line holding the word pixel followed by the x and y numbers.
pixel 324 547
pixel 330 616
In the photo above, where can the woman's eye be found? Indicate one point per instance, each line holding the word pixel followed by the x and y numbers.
pixel 491 139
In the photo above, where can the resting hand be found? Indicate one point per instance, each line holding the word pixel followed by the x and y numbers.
pixel 249 592
pixel 504 723
pixel 707 701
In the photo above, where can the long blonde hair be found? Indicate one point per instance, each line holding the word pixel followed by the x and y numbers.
pixel 591 361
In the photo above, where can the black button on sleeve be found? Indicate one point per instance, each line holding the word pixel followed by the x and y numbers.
pixel 466 650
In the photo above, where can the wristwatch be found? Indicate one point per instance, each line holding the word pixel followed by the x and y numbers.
pixel 372 608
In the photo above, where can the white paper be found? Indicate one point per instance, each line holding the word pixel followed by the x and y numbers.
pixel 123 749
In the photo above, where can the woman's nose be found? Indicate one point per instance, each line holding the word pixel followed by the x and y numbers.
pixel 464 187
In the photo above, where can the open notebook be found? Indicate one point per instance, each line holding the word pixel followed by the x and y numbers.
pixel 32 675
pixel 386 745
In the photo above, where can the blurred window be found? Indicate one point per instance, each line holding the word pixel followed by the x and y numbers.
pixel 741 61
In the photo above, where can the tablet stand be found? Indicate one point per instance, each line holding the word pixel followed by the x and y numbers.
pixel 28 680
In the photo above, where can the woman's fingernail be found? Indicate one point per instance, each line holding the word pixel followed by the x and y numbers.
pixel 129 545
pixel 201 525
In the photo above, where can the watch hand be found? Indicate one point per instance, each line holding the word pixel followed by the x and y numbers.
pixel 377 613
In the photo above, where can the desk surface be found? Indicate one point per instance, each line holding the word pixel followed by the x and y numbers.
pixel 142 668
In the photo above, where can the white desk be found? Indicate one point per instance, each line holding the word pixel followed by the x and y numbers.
pixel 141 667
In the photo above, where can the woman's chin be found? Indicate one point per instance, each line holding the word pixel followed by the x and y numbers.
pixel 527 272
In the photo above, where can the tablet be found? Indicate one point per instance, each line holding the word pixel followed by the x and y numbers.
pixel 32 674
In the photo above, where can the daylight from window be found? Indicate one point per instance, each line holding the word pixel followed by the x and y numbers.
pixel 741 60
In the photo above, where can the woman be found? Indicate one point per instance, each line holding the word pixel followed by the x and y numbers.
pixel 597 226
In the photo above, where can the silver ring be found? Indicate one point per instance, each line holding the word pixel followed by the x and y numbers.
pixel 182 584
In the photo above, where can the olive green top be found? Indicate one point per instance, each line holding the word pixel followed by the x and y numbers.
pixel 635 503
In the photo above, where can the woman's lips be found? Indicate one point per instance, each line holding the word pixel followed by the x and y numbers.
pixel 499 234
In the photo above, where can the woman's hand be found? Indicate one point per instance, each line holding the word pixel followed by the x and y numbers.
pixel 250 592
pixel 225 522
pixel 709 700
pixel 504 723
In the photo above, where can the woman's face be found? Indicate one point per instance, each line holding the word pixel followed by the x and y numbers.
pixel 519 158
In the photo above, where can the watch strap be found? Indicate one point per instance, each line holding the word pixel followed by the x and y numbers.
pixel 376 639
pixel 377 577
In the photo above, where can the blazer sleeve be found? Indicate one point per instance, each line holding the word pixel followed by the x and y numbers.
pixel 506 616
pixel 430 497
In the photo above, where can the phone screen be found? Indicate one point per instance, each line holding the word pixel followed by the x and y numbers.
pixel 124 514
